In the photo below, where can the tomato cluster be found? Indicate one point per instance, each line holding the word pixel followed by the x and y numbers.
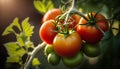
pixel 70 40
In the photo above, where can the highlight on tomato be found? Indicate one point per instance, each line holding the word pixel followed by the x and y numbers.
pixel 92 27
pixel 51 14
pixel 47 31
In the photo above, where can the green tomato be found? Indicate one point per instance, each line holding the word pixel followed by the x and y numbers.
pixel 91 50
pixel 48 49
pixel 73 61
pixel 53 58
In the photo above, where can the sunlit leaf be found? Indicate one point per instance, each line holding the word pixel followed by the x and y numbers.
pixel 43 6
pixel 29 44
pixel 35 62
pixel 16 23
pixel 13 59
pixel 27 28
pixel 20 40
pixel 10 29
pixel 14 55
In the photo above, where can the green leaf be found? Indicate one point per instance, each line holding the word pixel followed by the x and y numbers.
pixel 10 29
pixel 29 44
pixel 27 28
pixel 20 40
pixel 16 23
pixel 35 62
pixel 14 54
pixel 43 6
pixel 106 42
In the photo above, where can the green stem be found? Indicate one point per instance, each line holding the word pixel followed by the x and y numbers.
pixel 79 13
pixel 69 12
pixel 100 29
pixel 34 52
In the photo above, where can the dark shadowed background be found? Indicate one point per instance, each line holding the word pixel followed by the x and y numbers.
pixel 9 9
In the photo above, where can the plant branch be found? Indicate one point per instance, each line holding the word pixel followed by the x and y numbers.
pixel 100 29
pixel 69 11
pixel 32 55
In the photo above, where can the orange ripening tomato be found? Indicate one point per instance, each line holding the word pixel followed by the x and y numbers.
pixel 47 31
pixel 67 46
pixel 51 14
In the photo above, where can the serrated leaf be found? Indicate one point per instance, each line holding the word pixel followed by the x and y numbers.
pixel 29 44
pixel 39 6
pixel 35 62
pixel 20 40
pixel 16 23
pixel 14 54
pixel 43 6
pixel 10 29
pixel 27 28
pixel 49 5
pixel 13 59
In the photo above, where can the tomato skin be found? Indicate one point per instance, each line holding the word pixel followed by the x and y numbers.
pixel 48 49
pixel 91 50
pixel 90 33
pixel 47 31
pixel 73 61
pixel 51 15
pixel 53 58
pixel 67 46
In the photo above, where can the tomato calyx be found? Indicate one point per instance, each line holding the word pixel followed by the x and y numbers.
pixel 62 26
pixel 92 21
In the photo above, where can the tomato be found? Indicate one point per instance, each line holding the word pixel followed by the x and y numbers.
pixel 67 46
pixel 51 15
pixel 91 50
pixel 73 61
pixel 90 33
pixel 53 58
pixel 48 49
pixel 47 31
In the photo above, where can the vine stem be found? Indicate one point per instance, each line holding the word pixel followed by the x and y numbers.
pixel 73 10
pixel 32 55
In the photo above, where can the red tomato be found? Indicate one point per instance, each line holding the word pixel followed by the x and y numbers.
pixel 90 33
pixel 67 46
pixel 51 14
pixel 47 31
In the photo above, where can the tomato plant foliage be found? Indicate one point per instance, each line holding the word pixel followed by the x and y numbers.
pixel 16 50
